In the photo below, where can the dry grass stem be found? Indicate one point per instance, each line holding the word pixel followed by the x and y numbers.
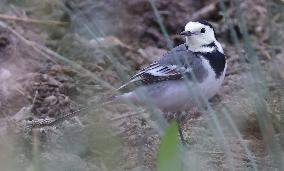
pixel 34 21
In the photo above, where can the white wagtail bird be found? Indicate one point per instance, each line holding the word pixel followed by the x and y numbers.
pixel 169 83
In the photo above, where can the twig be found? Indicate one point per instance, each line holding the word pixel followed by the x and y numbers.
pixel 41 124
pixel 24 94
pixel 67 116
pixel 205 11
pixel 29 20
pixel 210 152
pixel 45 123
pixel 35 97
pixel 126 116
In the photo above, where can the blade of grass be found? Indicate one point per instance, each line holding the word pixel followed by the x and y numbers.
pixel 168 157
pixel 35 21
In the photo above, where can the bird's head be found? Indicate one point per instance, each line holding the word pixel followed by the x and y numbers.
pixel 199 35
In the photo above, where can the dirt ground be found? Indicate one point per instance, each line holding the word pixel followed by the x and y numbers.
pixel 38 87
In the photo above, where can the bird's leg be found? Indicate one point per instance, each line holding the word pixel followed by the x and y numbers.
pixel 180 134
pixel 179 122
pixel 178 117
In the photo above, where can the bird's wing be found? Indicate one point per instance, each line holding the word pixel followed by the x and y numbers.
pixel 174 65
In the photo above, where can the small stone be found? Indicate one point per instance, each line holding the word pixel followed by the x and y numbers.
pixel 51 100
pixel 25 112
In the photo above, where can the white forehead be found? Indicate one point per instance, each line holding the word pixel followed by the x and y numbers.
pixel 194 26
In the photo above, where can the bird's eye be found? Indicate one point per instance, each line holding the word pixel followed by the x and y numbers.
pixel 202 30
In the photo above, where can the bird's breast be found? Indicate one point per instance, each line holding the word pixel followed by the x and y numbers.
pixel 211 84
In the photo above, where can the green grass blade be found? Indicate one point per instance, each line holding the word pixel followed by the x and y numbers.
pixel 168 153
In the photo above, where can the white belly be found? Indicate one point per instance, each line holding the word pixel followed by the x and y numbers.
pixel 176 95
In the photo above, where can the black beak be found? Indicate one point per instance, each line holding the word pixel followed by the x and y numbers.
pixel 186 33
